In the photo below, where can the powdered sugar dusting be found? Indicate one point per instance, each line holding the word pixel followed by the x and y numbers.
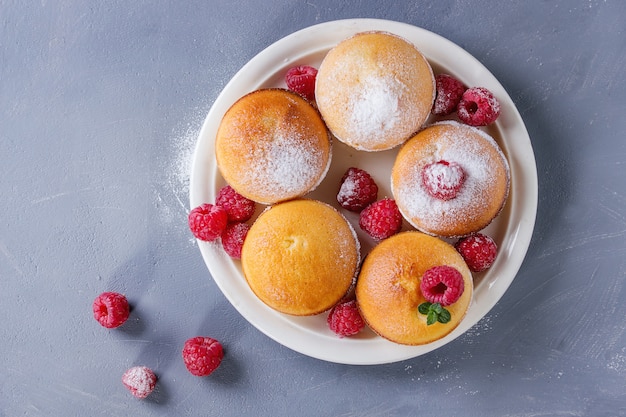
pixel 443 179
pixel 286 166
pixel 375 110
pixel 472 198
pixel 173 205
pixel 140 380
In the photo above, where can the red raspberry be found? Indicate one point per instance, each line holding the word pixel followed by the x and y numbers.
pixel 111 309
pixel 449 92
pixel 207 222
pixel 301 80
pixel 478 250
pixel 238 207
pixel 345 320
pixel 233 238
pixel 140 381
pixel 358 189
pixel 443 179
pixel 202 355
pixel 442 284
pixel 381 219
pixel 478 107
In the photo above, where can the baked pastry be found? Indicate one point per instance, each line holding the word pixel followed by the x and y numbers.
pixel 450 179
pixel 300 257
pixel 272 145
pixel 388 287
pixel 374 90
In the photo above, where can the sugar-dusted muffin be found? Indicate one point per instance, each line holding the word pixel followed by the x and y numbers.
pixel 300 257
pixel 388 287
pixel 374 90
pixel 470 198
pixel 272 145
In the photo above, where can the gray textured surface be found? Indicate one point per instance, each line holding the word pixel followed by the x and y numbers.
pixel 100 105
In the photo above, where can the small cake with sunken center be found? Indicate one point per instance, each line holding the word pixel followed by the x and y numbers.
pixel 300 257
pixel 374 90
pixel 450 179
pixel 272 145
pixel 388 288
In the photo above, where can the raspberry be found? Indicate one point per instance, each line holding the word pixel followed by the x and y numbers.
pixel 358 189
pixel 443 179
pixel 233 237
pixel 207 222
pixel 449 92
pixel 381 219
pixel 345 320
pixel 140 381
pixel 111 309
pixel 202 355
pixel 442 284
pixel 478 107
pixel 478 250
pixel 238 207
pixel 301 80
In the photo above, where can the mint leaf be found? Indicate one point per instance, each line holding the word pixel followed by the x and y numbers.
pixel 437 308
pixel 424 308
pixel 431 318
pixel 444 316
pixel 434 313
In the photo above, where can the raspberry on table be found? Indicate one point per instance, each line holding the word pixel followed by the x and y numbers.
pixel 381 219
pixel 238 207
pixel 111 309
pixel 358 189
pixel 202 355
pixel 345 320
pixel 207 222
pixel 443 179
pixel 449 92
pixel 233 238
pixel 140 381
pixel 301 80
pixel 442 284
pixel 478 250
pixel 478 107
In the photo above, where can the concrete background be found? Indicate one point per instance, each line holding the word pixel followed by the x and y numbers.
pixel 100 107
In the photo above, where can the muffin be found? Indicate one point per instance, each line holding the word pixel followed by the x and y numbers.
pixel 388 287
pixel 300 257
pixel 468 197
pixel 374 90
pixel 272 145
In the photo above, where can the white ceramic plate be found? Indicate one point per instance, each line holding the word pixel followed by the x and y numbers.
pixel 512 230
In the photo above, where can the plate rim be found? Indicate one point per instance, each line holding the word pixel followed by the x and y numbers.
pixel 327 34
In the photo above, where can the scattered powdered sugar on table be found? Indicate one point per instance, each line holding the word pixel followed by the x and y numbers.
pixel 178 171
pixel 617 362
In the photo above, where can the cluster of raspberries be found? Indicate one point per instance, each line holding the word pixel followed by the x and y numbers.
pixel 226 219
pixel 201 355
pixel 475 106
